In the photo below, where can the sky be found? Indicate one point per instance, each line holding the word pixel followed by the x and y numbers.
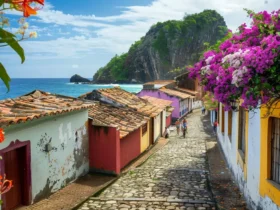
pixel 82 36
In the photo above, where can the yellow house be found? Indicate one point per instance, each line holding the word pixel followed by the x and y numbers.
pixel 145 136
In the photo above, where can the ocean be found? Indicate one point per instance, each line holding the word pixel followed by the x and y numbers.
pixel 59 86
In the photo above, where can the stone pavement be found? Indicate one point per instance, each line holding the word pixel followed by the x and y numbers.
pixel 76 193
pixel 176 177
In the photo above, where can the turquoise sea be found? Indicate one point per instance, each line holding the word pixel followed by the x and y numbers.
pixel 59 86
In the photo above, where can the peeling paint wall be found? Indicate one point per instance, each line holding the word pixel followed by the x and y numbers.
pixel 249 185
pixel 67 159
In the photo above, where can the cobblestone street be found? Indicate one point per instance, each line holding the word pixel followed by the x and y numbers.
pixel 176 177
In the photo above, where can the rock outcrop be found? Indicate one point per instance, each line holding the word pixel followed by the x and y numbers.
pixel 166 46
pixel 77 78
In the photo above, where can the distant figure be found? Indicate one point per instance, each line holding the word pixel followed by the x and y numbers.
pixel 185 128
pixel 215 126
pixel 167 132
pixel 177 123
pixel 203 110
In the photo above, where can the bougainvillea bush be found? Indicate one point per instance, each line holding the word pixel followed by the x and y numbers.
pixel 245 66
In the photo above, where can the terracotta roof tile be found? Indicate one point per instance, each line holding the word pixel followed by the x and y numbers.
pixel 35 105
pixel 176 93
pixel 124 98
pixel 161 103
pixel 124 118
pixel 191 92
pixel 160 82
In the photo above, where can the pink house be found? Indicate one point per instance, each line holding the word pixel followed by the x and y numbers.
pixel 181 102
pixel 117 135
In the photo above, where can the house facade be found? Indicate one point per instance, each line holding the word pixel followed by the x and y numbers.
pixel 45 147
pixel 118 135
pixel 251 144
pixel 181 102
pixel 118 97
pixel 165 105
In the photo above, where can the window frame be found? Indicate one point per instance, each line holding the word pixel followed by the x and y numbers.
pixel 144 129
pixel 242 121
pixel 229 131
pixel 273 152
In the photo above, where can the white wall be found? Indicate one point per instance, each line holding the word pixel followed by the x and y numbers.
pixel 197 104
pixel 163 121
pixel 157 129
pixel 69 157
pixel 249 186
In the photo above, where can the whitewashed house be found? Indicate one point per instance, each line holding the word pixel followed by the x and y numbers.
pixel 45 146
pixel 251 144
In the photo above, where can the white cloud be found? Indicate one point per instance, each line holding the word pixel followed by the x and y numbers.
pixel 75 66
pixel 116 33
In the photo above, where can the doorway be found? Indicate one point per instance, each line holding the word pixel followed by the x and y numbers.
pixel 16 166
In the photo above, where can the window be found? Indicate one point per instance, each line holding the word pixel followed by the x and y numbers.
pixel 229 124
pixel 275 150
pixel 242 130
pixel 144 129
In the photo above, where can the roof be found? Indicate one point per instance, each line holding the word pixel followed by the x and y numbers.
pixel 182 75
pixel 176 93
pixel 158 102
pixel 188 91
pixel 37 104
pixel 160 82
pixel 125 98
pixel 125 119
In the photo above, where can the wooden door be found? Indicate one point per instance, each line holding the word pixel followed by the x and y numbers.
pixel 151 128
pixel 161 125
pixel 14 170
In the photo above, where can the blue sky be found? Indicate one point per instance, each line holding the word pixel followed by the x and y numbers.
pixel 76 37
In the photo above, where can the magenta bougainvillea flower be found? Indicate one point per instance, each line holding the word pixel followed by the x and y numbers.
pixel 246 66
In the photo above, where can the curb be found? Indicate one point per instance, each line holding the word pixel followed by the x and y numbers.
pixel 124 172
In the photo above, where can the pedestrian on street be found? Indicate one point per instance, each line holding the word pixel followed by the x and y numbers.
pixel 177 123
pixel 167 132
pixel 185 128
pixel 215 126
pixel 203 110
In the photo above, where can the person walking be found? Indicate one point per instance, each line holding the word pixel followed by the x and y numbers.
pixel 203 110
pixel 177 124
pixel 167 132
pixel 185 128
pixel 215 125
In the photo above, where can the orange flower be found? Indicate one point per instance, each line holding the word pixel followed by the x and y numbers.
pixel 2 137
pixel 5 185
pixel 24 5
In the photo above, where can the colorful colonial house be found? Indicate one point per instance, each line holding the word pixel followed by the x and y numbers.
pixel 45 147
pixel 181 102
pixel 120 98
pixel 251 144
pixel 118 135
pixel 167 109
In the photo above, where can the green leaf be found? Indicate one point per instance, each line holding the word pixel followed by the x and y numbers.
pixel 12 42
pixel 4 76
pixel 278 33
pixel 1 2
pixel 278 87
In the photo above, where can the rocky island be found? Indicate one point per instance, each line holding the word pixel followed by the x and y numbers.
pixel 78 79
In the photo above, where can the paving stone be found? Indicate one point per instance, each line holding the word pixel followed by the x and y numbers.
pixel 175 177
